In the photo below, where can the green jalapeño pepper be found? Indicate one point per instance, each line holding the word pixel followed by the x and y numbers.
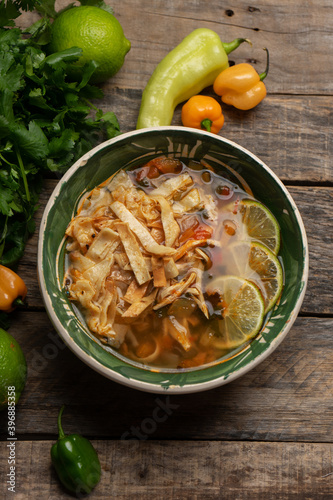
pixel 190 67
pixel 76 461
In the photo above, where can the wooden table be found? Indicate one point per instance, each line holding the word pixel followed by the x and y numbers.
pixel 267 435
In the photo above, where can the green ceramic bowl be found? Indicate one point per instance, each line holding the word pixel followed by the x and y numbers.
pixel 133 148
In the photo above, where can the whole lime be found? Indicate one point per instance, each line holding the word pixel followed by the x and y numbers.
pixel 13 369
pixel 98 33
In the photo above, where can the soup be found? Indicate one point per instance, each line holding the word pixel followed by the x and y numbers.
pixel 172 264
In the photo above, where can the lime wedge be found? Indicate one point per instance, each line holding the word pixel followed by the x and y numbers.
pixel 255 262
pixel 243 311
pixel 260 223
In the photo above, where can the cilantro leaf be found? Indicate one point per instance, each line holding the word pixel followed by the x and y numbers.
pixel 97 3
pixel 10 73
pixel 47 119
pixel 5 199
pixel 10 10
pixel 3 127
pixel 32 141
pixel 47 8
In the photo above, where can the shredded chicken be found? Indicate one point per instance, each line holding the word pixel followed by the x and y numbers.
pixel 125 259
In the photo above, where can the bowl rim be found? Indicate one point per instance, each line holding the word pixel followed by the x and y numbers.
pixel 132 382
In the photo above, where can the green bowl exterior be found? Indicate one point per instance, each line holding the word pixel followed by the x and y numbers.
pixel 135 148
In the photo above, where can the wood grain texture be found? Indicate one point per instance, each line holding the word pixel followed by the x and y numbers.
pixel 269 434
pixel 192 471
pixel 288 397
pixel 288 131
pixel 291 134
pixel 316 208
pixel 298 35
pixel 290 31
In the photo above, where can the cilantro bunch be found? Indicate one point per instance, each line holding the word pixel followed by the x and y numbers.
pixel 47 121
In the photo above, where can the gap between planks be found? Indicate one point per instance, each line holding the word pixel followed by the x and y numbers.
pixel 187 470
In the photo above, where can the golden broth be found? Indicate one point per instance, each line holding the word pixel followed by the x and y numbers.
pixel 183 333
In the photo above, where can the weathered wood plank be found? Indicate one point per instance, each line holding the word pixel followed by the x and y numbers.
pixel 288 397
pixel 183 471
pixel 316 207
pixel 291 134
pixel 298 35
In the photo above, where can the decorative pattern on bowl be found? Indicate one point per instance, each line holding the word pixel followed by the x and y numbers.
pixel 134 148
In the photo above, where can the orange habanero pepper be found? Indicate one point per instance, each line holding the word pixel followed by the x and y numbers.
pixel 12 290
pixel 241 86
pixel 204 113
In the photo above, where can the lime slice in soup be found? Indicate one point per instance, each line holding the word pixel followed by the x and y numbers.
pixel 260 224
pixel 255 262
pixel 243 310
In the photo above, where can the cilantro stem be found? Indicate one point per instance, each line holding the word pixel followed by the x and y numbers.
pixel 4 159
pixel 24 177
pixel 91 104
pixel 3 237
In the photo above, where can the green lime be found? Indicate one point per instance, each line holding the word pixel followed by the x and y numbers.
pixel 260 224
pixel 98 33
pixel 255 262
pixel 243 310
pixel 13 369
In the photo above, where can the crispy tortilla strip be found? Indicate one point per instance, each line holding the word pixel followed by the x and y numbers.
pixel 170 187
pixel 104 243
pixel 83 291
pixel 134 254
pixel 98 200
pixel 158 272
pixel 155 224
pixel 140 204
pixel 137 308
pixel 135 292
pixel 170 226
pixel 170 268
pixel 121 275
pixel 171 293
pixel 82 230
pixel 148 263
pixel 103 221
pixel 140 231
pixel 119 194
pixel 100 305
pixel 122 179
pixel 122 260
pixel 107 302
pixel 80 262
pixel 190 201
pixel 189 245
pixel 98 273
pixel 149 209
pixel 102 323
pixel 158 235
